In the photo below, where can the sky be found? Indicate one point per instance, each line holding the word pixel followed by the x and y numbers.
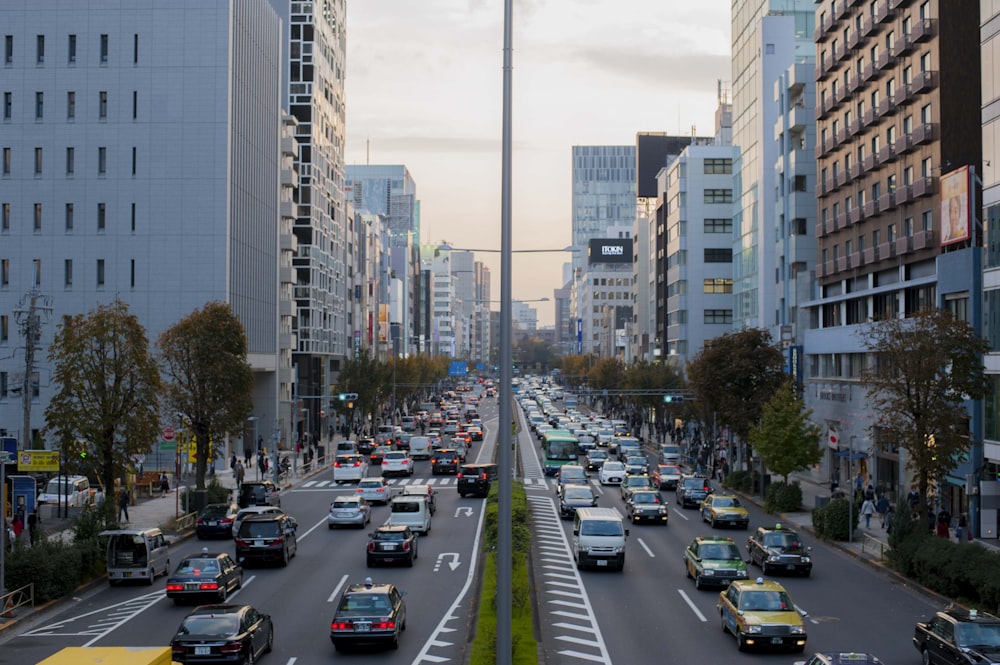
pixel 424 88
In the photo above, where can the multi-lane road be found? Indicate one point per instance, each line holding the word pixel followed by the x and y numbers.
pixel 649 613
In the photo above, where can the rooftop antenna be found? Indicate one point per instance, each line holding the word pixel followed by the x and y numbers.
pixel 368 151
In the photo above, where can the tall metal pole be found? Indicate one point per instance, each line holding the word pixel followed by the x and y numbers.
pixel 4 456
pixel 505 576
pixel 850 491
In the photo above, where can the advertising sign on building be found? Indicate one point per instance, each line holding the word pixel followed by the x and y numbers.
pixel 955 206
pixel 610 250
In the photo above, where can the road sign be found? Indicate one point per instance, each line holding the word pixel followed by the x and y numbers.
pixel 38 460
pixel 168 433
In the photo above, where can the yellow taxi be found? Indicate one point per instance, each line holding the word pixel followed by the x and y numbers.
pixel 724 510
pixel 761 615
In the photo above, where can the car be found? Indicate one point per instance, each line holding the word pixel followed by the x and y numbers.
pixel 253 510
pixel 777 549
pixel 611 473
pixel 596 459
pixel 402 440
pixel 958 635
pixel 426 491
pixel 368 613
pixel 575 496
pixel 349 468
pixel 460 447
pixel 264 538
pixel 573 474
pixel 637 465
pixel 207 575
pixel 646 505
pixel 397 463
pixel 761 615
pixel 374 490
pixel 633 483
pixel 627 445
pixel 841 658
pixel 258 493
pixel 666 476
pixel 349 511
pixel 692 490
pixel 724 510
pixel 444 460
pixel 223 634
pixel 475 479
pixel 714 561
pixel 376 455
pixel 392 544
pixel 365 445
pixel 475 432
pixel 216 521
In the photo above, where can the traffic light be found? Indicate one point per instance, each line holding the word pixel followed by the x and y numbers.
pixel 347 397
pixel 673 398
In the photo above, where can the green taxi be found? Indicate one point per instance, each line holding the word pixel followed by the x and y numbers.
pixel 724 510
pixel 761 615
pixel 714 561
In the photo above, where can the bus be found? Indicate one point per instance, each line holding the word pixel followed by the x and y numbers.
pixel 559 447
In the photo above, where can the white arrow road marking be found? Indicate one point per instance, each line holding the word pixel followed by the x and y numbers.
pixel 463 510
pixel 101 626
pixel 648 551
pixel 453 564
pixel 691 605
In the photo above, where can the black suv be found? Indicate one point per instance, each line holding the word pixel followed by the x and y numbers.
pixel 259 493
pixel 692 490
pixel 475 479
pixel 958 635
pixel 445 460
pixel 267 537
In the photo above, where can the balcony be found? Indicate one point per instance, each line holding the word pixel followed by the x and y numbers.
pixel 820 230
pixel 821 33
pixel 924 81
pixel 840 221
pixel 923 240
pixel 922 30
pixel 896 4
pixel 886 107
pixel 855 215
pixel 924 133
pixel 869 117
pixel 886 250
pixel 868 163
pixel 289 147
pixel 853 170
pixel 868 72
pixel 887 201
pixel 853 39
pixel 823 64
pixel 842 263
pixel 886 154
pixel 289 209
pixel 904 194
pixel 885 59
pixel 904 144
pixel 289 178
pixel 883 14
pixel 797 118
pixel 856 259
pixel 829 268
pixel 868 25
pixel 853 127
pixel 902 45
pixel 871 254
pixel 923 187
pixel 288 242
pixel 903 245
pixel 853 83
pixel 871 208
pixel 839 9
pixel 905 95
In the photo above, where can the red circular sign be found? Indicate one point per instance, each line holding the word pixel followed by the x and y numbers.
pixel 168 433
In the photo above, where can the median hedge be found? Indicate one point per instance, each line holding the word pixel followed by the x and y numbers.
pixel 783 497
pixel 832 521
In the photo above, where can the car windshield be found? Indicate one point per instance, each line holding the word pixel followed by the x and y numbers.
pixel 405 507
pixel 396 456
pixel 726 502
pixel 765 601
pixel 259 530
pixel 197 566
pixel 781 540
pixel 390 535
pixel 645 497
pixel 597 454
pixel 637 481
pixel 977 635
pixel 210 624
pixel 613 466
pixel 361 604
pixel 601 528
pixel 695 484
pixel 579 493
pixel 345 502
pixel 635 459
pixel 722 551
pixel 215 510
pixel 367 484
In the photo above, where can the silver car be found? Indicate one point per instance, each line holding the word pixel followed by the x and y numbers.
pixel 349 511
pixel 374 490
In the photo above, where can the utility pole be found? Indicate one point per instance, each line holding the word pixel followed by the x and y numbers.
pixel 28 315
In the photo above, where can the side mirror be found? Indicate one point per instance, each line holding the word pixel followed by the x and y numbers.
pixel 626 533
pixel 748 562
pixel 809 549
pixel 576 532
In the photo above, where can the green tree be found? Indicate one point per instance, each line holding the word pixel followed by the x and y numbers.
pixel 366 376
pixel 646 378
pixel 574 369
pixel 925 368
pixel 734 375
pixel 785 439
pixel 105 406
pixel 208 379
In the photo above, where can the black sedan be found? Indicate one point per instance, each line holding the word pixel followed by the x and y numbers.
pixel 596 459
pixel 392 544
pixel 216 521
pixel 223 634
pixel 575 496
pixel 208 576
pixel 646 505
pixel 368 613
pixel 958 635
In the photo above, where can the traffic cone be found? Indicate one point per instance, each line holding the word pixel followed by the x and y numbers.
pixel 8 609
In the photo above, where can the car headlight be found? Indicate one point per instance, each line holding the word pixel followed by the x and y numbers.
pixel 773 557
pixel 743 575
pixel 797 630
pixel 753 629
pixel 806 559
pixel 620 549
pixel 708 573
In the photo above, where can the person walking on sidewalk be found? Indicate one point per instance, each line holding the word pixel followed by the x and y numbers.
pixel 238 474
pixel 123 504
pixel 868 509
pixel 882 508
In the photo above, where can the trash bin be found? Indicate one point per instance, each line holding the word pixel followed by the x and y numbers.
pixel 822 500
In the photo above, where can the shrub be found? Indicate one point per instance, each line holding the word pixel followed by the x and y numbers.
pixel 53 566
pixel 737 480
pixel 831 522
pixel 783 497
pixel 216 493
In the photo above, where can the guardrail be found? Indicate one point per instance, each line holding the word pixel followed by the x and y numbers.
pixel 185 522
pixel 871 544
pixel 10 601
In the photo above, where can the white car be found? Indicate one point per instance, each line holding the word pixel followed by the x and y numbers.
pixel 397 463
pixel 612 473
pixel 253 510
pixel 348 468
pixel 375 490
pixel 349 511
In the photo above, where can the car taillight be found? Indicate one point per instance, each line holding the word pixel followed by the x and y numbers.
pixel 387 624
pixel 380 489
pixel 230 647
pixel 276 541
pixel 341 625
pixel 337 464
pixel 406 546
pixel 175 587
pixel 434 461
pixel 209 586
pixel 226 520
pixel 483 476
pixel 199 521
pixel 371 546
pixel 241 543
pixel 358 463
pixel 460 475
pixel 405 462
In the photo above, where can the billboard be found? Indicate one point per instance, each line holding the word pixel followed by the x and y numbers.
pixel 609 250
pixel 955 206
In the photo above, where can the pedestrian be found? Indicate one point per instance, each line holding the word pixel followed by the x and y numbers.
pixel 247 456
pixel 17 526
pixel 123 504
pixel 868 509
pixel 887 521
pixel 960 528
pixel 164 484
pixel 238 473
pixel 944 523
pixel 882 507
pixel 870 492
pixel 913 499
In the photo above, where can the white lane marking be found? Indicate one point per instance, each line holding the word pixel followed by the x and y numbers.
pixel 691 604
pixel 450 614
pixel 313 528
pixel 140 604
pixel 336 589
pixel 648 551
pixel 681 513
pixel 242 586
pixel 798 608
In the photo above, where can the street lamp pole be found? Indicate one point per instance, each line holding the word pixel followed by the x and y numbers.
pixel 850 490
pixel 4 458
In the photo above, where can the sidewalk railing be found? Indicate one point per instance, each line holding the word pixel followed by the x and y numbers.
pixel 185 522
pixel 23 597
pixel 872 545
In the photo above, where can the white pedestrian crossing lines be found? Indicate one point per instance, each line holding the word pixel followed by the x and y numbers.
pixel 447 481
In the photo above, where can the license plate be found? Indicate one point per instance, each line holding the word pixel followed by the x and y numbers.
pixel 363 626
pixel 602 562
pixel 203 651
pixel 191 586
pixel 126 574
pixel 258 543
pixel 389 546
pixel 790 566
pixel 212 523
pixel 777 640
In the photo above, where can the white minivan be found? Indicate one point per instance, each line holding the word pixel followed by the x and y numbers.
pixel 73 491
pixel 599 538
pixel 420 447
pixel 411 511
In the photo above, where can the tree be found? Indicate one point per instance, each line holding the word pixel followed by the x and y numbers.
pixel 105 407
pixel 365 376
pixel 574 369
pixel 208 379
pixel 785 439
pixel 924 369
pixel 735 375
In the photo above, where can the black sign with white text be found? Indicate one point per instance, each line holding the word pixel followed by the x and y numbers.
pixel 610 250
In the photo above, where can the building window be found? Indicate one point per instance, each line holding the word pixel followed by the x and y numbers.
pixel 718 166
pixel 102 216
pixel 70 105
pixel 102 104
pixel 926 167
pixel 718 196
pixel 718 285
pixel 718 255
pixel 68 272
pixel 6 161
pixel 5 217
pixel 38 161
pixel 70 160
pixel 925 113
pixel 134 158
pixel 8 105
pixel 135 48
pixel 908 227
pixel 38 217
pixel 8 49
pixel 102 160
pixel 908 125
pixel 4 336
pixel 908 175
pixel 958 305
pixel 4 272
pixel 100 272
pixel 39 105
pixel 132 274
pixel 135 104
pixel 926 220
pixel 104 49
pixel 40 49
pixel 71 48
pixel 907 75
pixel 69 216
pixel 723 316
pixel 718 226
pixel 133 218
pixel 925 61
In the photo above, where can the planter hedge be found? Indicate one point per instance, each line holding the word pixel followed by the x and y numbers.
pixel 783 498
pixel 832 521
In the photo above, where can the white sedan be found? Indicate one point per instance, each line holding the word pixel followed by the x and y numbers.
pixel 612 473
pixel 374 490
pixel 397 463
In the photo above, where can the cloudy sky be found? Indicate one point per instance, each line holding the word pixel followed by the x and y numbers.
pixel 424 89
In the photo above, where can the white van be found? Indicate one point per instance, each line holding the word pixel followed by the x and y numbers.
pixel 599 538
pixel 411 511
pixel 136 554
pixel 420 447
pixel 670 454
pixel 73 491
